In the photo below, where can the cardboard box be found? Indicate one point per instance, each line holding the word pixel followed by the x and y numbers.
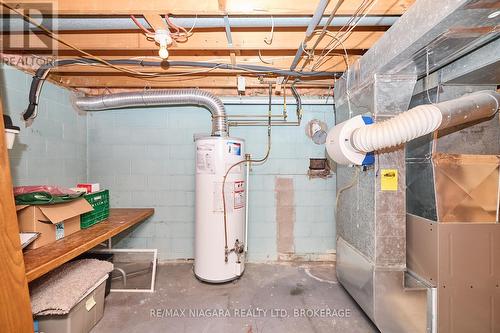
pixel 53 222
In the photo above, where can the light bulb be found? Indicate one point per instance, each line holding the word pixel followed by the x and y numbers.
pixel 163 38
pixel 163 53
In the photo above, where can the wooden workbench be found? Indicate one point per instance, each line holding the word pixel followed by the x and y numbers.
pixel 44 259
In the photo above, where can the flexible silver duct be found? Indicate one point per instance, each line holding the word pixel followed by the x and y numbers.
pixel 354 140
pixel 160 97
pixel 425 119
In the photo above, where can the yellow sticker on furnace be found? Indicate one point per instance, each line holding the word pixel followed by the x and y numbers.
pixel 389 180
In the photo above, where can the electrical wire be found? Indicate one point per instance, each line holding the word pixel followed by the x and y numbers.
pixel 323 31
pixel 269 40
pixel 42 73
pixel 181 34
pixel 194 24
pixel 350 22
pixel 343 37
pixel 263 60
pixel 57 38
pixel 341 32
pixel 353 182
pixel 319 63
pixel 146 32
pixel 248 68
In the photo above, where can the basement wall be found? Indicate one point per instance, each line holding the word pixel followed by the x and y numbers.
pixel 54 149
pixel 145 157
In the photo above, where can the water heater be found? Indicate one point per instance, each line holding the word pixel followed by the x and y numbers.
pixel 214 156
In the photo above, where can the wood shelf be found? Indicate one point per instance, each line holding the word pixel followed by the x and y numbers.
pixel 46 258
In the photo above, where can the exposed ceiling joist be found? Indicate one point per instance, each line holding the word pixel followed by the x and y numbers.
pixel 213 40
pixel 208 7
pixel 222 44
pixel 156 21
pixel 120 81
pixel 261 91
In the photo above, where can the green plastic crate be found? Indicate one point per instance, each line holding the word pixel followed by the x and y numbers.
pixel 100 202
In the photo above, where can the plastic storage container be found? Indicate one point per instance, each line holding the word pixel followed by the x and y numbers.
pixel 82 317
pixel 100 202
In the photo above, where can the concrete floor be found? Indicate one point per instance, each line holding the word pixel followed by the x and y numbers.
pixel 267 298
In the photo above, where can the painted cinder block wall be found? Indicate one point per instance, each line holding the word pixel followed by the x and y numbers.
pixel 146 158
pixel 54 149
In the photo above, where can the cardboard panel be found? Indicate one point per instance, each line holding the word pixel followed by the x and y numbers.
pixel 466 187
pixel 60 212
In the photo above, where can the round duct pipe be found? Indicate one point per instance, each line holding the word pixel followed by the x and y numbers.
pixel 160 97
pixel 354 141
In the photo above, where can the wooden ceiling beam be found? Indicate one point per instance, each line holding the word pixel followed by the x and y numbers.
pixel 208 7
pixel 156 21
pixel 248 40
pixel 263 91
pixel 170 82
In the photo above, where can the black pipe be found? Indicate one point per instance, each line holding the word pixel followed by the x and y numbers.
pixel 43 70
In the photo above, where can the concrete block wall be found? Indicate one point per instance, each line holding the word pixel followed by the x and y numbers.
pixel 54 149
pixel 146 158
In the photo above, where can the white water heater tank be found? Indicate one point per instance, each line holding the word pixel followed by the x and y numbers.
pixel 214 156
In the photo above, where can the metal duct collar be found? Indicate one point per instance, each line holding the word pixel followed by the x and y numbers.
pixel 160 97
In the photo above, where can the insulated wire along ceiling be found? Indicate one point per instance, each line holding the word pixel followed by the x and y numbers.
pixel 211 66
pixel 338 38
pixel 346 23
pixel 341 35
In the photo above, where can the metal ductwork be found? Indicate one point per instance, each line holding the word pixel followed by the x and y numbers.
pixel 160 97
pixel 381 260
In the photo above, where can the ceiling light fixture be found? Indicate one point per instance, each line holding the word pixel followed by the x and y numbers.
pixel 163 38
